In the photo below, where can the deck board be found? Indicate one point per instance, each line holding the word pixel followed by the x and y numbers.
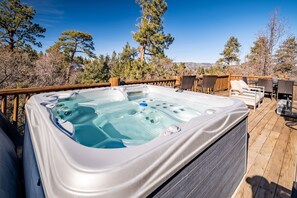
pixel 271 175
pixel 272 154
pixel 288 167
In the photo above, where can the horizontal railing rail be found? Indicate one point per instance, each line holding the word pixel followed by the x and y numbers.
pixel 238 77
pixel 251 79
pixel 160 82
pixel 34 90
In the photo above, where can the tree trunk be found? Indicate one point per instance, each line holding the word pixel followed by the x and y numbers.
pixel 11 42
pixel 141 51
pixel 68 72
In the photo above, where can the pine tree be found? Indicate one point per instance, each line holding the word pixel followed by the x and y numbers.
pixel 16 26
pixel 124 65
pixel 231 52
pixel 97 70
pixel 72 42
pixel 150 36
pixel 127 57
pixel 286 56
pixel 258 56
pixel 115 66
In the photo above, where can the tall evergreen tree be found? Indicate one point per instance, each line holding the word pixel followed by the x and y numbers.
pixel 286 56
pixel 16 26
pixel 150 36
pixel 258 56
pixel 124 67
pixel 97 70
pixel 231 52
pixel 127 60
pixel 115 66
pixel 72 42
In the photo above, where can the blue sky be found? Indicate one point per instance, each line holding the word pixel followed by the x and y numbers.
pixel 200 27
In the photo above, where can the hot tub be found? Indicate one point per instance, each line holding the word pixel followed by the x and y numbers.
pixel 134 141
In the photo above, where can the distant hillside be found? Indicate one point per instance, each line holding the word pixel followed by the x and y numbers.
pixel 192 65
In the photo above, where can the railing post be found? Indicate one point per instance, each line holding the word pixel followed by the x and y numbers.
pixel 15 110
pixel 27 97
pixel 114 81
pixel 229 81
pixel 178 80
pixel 3 104
pixel 195 85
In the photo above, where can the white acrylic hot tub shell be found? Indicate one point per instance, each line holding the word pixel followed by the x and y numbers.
pixel 68 169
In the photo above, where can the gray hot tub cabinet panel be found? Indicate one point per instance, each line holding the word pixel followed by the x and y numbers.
pixel 9 175
pixel 33 184
pixel 214 173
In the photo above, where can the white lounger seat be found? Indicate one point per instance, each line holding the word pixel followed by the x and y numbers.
pixel 259 89
pixel 249 96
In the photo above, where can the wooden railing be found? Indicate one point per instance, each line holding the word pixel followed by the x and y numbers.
pixel 16 98
pixel 220 85
pixel 250 79
pixel 239 77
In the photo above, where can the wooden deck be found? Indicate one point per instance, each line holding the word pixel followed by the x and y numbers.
pixel 272 154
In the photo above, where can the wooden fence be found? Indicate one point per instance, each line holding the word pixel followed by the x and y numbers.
pixel 220 85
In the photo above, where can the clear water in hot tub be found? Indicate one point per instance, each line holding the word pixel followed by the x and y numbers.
pixel 120 124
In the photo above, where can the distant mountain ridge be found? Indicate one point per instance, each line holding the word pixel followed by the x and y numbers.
pixel 193 65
